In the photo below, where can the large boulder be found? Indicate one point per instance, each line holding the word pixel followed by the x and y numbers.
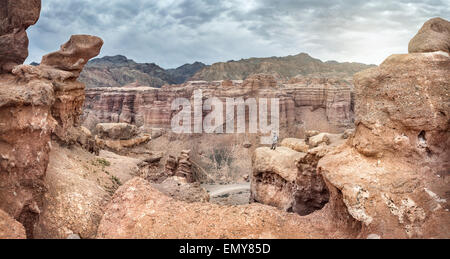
pixel 74 54
pixel 287 179
pixel 15 17
pixel 298 145
pixel 433 36
pixel 316 140
pixel 116 131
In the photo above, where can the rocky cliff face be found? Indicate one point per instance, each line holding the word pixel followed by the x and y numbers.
pixel 305 103
pixel 393 174
pixel 117 71
pixel 35 102
pixel 389 179
pixel 283 67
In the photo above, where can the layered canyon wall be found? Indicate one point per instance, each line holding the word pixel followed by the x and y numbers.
pixel 305 103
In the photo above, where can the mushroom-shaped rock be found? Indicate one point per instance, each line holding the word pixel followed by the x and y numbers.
pixel 74 54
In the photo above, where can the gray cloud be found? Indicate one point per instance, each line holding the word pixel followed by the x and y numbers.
pixel 173 32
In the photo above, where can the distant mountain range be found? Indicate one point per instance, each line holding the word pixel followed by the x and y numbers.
pixel 283 67
pixel 117 71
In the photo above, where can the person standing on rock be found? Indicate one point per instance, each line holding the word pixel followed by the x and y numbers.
pixel 274 140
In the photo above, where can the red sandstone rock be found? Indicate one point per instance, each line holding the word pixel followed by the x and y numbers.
pixel 433 36
pixel 26 126
pixel 288 179
pixel 15 17
pixel 313 104
pixel 74 54
pixel 9 228
pixel 35 102
pixel 179 189
pixel 139 211
pixel 116 131
pixel 392 175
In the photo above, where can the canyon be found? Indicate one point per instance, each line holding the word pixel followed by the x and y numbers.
pixel 324 104
pixel 357 158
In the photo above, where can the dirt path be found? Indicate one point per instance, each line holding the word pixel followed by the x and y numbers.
pixel 217 190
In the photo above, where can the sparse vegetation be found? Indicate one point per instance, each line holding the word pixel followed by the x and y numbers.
pixel 116 180
pixel 101 162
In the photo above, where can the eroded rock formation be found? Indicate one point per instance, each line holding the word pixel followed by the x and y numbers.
pixel 26 126
pixel 433 36
pixel 35 102
pixel 139 211
pixel 305 103
pixel 119 136
pixel 393 175
pixel 15 17
pixel 287 177
pixel 180 166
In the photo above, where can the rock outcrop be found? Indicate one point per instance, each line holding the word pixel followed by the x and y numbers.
pixel 119 136
pixel 26 126
pixel 139 211
pixel 298 145
pixel 70 93
pixel 80 184
pixel 36 102
pixel 26 123
pixel 15 17
pixel 287 177
pixel 116 131
pixel 76 195
pixel 274 176
pixel 393 174
pixel 180 167
pixel 433 36
pixel 74 54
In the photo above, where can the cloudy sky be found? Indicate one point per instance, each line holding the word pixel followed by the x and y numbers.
pixel 174 32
